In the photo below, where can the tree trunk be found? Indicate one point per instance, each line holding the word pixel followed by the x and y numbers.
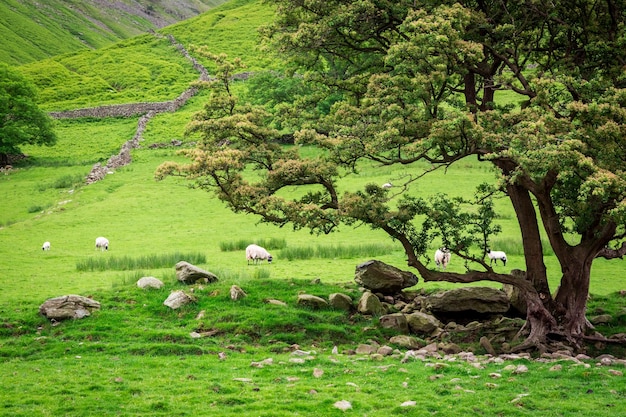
pixel 572 295
pixel 536 270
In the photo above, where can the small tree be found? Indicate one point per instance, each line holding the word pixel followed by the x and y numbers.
pixel 418 81
pixel 21 120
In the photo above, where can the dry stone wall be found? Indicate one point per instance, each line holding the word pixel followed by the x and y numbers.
pixel 148 110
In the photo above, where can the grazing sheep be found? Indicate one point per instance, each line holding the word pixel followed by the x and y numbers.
pixel 46 246
pixel 387 185
pixel 442 257
pixel 102 243
pixel 495 255
pixel 256 254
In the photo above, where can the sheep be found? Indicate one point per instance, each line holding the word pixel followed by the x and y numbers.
pixel 442 257
pixel 495 255
pixel 102 243
pixel 387 185
pixel 46 246
pixel 256 254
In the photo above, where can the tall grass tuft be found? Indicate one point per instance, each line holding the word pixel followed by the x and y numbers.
pixel 126 263
pixel 515 247
pixel 336 251
pixel 241 244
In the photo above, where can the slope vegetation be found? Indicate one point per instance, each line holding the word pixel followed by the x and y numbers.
pixel 33 31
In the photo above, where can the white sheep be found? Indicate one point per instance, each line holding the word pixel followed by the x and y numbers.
pixel 442 257
pixel 256 254
pixel 495 255
pixel 387 185
pixel 46 246
pixel 102 243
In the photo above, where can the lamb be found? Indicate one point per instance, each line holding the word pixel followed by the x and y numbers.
pixel 442 257
pixel 495 255
pixel 46 246
pixel 256 254
pixel 102 243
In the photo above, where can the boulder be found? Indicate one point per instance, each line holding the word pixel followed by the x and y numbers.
pixel 178 299
pixel 68 307
pixel 369 304
pixel 190 274
pixel 379 277
pixel 149 282
pixel 236 293
pixel 471 299
pixel 340 301
pixel 312 301
pixel 395 321
pixel 420 322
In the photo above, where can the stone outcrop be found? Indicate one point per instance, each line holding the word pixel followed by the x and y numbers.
pixel 379 277
pixel 68 307
pixel 191 274
pixel 484 300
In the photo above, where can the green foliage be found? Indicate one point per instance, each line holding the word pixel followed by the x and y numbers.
pixel 21 120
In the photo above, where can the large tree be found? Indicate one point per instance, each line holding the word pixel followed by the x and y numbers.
pixel 420 80
pixel 21 119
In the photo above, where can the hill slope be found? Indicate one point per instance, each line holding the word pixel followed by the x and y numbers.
pixel 32 31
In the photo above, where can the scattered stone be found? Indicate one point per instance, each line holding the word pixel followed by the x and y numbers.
pixel 601 319
pixel 68 307
pixel 408 404
pixel 395 321
pixel 486 344
pixel 340 301
pixel 276 302
pixel 311 301
pixel 317 373
pixel 369 304
pixel 149 282
pixel 405 341
pixel 236 293
pixel 616 372
pixel 191 274
pixel 422 323
pixel 178 299
pixel 343 405
pixel 263 363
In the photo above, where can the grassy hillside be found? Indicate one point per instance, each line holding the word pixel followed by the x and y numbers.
pixel 32 31
pixel 148 67
pixel 138 357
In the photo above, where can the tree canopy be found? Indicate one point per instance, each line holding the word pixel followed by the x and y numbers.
pixel 410 81
pixel 21 120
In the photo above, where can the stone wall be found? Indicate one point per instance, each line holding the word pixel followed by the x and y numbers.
pixel 148 110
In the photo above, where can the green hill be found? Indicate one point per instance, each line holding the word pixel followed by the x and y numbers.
pixel 32 31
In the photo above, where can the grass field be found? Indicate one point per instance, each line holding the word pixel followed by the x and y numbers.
pixel 136 357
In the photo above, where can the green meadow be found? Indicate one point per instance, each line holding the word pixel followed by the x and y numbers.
pixel 137 357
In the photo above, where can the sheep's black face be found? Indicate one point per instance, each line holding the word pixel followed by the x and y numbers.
pixel 269 259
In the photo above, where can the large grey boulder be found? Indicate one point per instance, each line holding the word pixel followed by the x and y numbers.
pixel 190 274
pixel 516 298
pixel 68 307
pixel 377 276
pixel 472 299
